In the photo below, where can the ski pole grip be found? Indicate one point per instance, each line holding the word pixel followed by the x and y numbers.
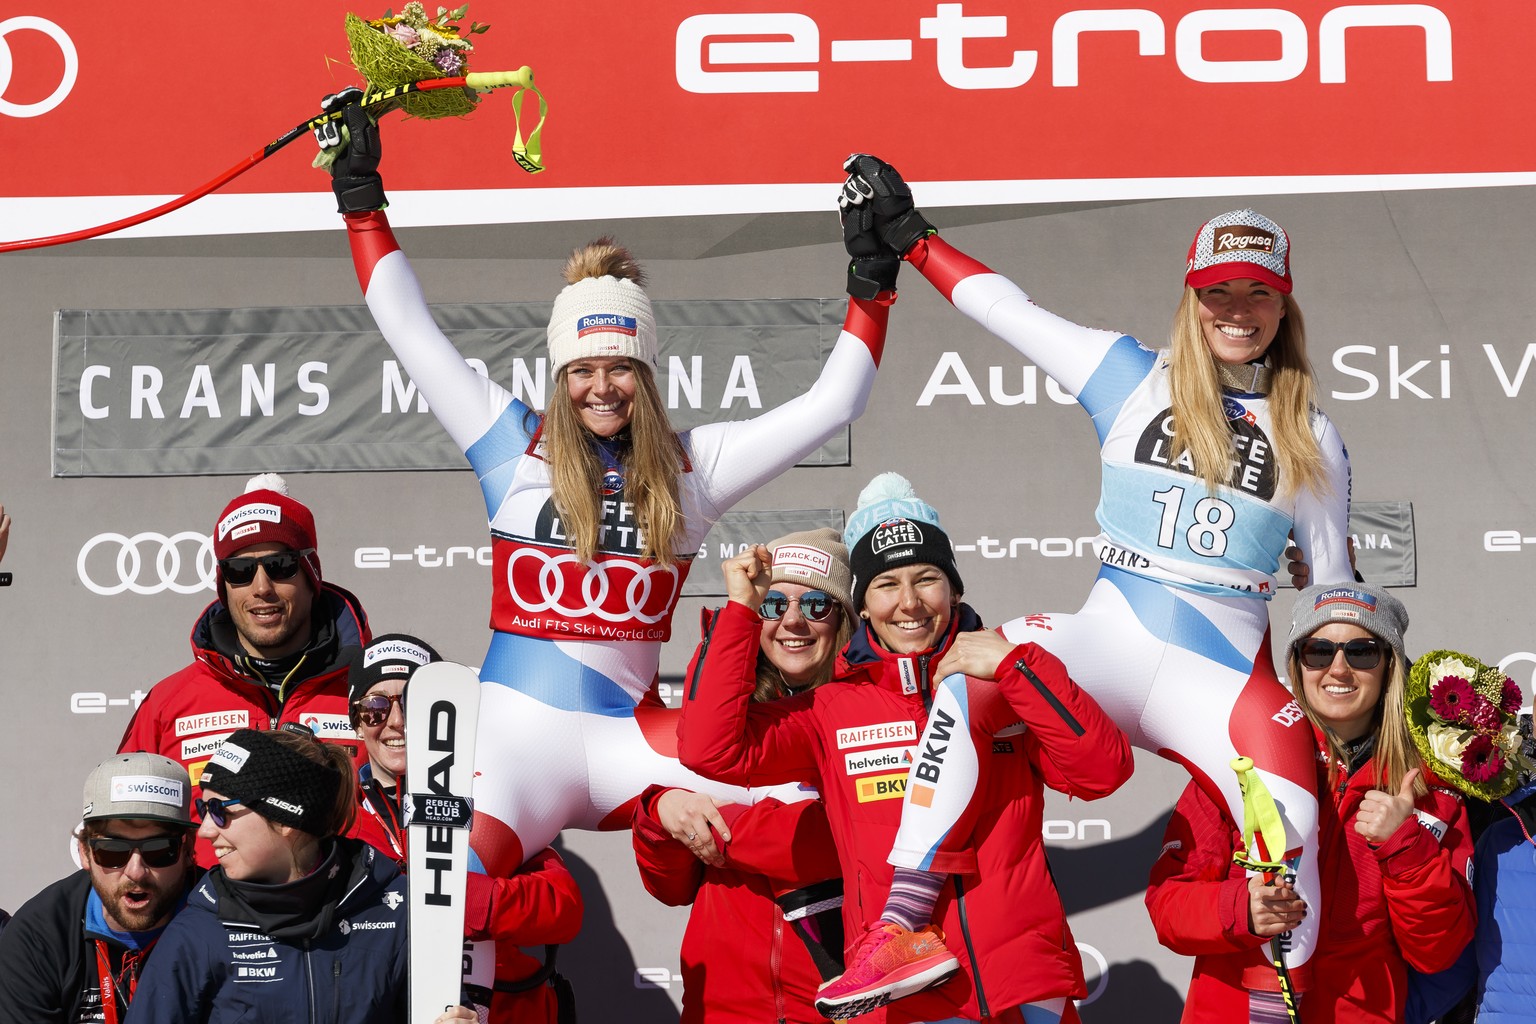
pixel 485 81
pixel 1242 764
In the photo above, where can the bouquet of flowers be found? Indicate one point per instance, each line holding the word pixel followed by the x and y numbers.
pixel 399 49
pixel 1462 715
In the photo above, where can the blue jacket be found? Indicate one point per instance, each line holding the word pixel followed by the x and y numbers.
pixel 1501 961
pixel 212 967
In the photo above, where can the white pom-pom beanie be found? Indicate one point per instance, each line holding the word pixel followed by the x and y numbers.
pixel 607 317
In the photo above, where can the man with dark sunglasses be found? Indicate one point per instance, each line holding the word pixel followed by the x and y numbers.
pixel 73 953
pixel 274 647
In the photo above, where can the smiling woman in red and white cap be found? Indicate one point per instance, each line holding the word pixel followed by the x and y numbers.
pixel 1212 453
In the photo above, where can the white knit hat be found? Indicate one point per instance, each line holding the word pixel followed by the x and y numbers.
pixel 601 317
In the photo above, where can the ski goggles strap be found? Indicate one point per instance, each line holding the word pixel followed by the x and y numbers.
pixel 530 155
pixel 1261 820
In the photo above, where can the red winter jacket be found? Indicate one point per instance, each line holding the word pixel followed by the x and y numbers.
pixel 1405 903
pixel 999 910
pixel 741 961
pixel 540 905
pixel 189 713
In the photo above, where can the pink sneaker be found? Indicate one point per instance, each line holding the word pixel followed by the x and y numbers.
pixel 888 963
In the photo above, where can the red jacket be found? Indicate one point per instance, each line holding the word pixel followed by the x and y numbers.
pixel 1405 903
pixel 999 910
pixel 741 961
pixel 540 905
pixel 187 714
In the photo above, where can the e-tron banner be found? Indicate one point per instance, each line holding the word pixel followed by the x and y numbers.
pixel 177 392
pixel 983 101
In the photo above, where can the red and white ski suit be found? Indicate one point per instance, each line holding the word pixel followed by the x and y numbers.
pixel 1173 641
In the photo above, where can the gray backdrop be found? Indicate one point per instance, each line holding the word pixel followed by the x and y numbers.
pixel 1422 334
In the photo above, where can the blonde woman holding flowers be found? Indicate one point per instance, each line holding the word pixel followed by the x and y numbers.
pixel 1394 839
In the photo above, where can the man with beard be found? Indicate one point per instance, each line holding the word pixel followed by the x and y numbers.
pixel 73 953
pixel 274 647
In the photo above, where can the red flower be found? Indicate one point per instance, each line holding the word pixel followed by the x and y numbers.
pixel 1485 717
pixel 1451 699
pixel 1512 698
pixel 1482 760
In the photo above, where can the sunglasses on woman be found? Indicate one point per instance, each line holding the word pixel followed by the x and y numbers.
pixel 814 605
pixel 160 851
pixel 1362 652
pixel 217 809
pixel 373 710
pixel 241 570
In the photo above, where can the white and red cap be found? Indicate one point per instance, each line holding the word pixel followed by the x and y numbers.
pixel 601 317
pixel 266 514
pixel 1240 243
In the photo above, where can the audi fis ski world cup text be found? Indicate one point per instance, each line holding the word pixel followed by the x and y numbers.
pixel 710 47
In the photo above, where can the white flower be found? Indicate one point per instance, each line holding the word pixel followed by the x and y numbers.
pixel 1451 666
pixel 1509 739
pixel 1447 742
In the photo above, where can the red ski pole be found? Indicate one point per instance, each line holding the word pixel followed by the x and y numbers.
pixel 478 81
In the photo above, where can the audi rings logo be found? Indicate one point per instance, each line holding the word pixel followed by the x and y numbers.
pixel 568 586
pixel 71 65
pixel 182 563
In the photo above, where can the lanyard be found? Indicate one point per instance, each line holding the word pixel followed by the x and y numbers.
pixel 109 981
pixel 389 821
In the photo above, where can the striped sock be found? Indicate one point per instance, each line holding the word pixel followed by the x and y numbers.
pixel 1267 1008
pixel 913 894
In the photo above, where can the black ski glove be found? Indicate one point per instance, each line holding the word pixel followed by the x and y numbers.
pixel 877 186
pixel 872 267
pixel 355 172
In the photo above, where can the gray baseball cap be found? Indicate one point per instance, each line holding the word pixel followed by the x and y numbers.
pixel 1360 604
pixel 140 785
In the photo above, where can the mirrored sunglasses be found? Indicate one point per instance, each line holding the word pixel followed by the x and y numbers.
pixel 217 809
pixel 160 851
pixel 373 710
pixel 814 605
pixel 241 570
pixel 1362 652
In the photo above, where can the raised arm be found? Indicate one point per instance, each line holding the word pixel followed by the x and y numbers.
pixel 465 403
pixel 735 458
pixel 1322 519
pixel 1070 353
